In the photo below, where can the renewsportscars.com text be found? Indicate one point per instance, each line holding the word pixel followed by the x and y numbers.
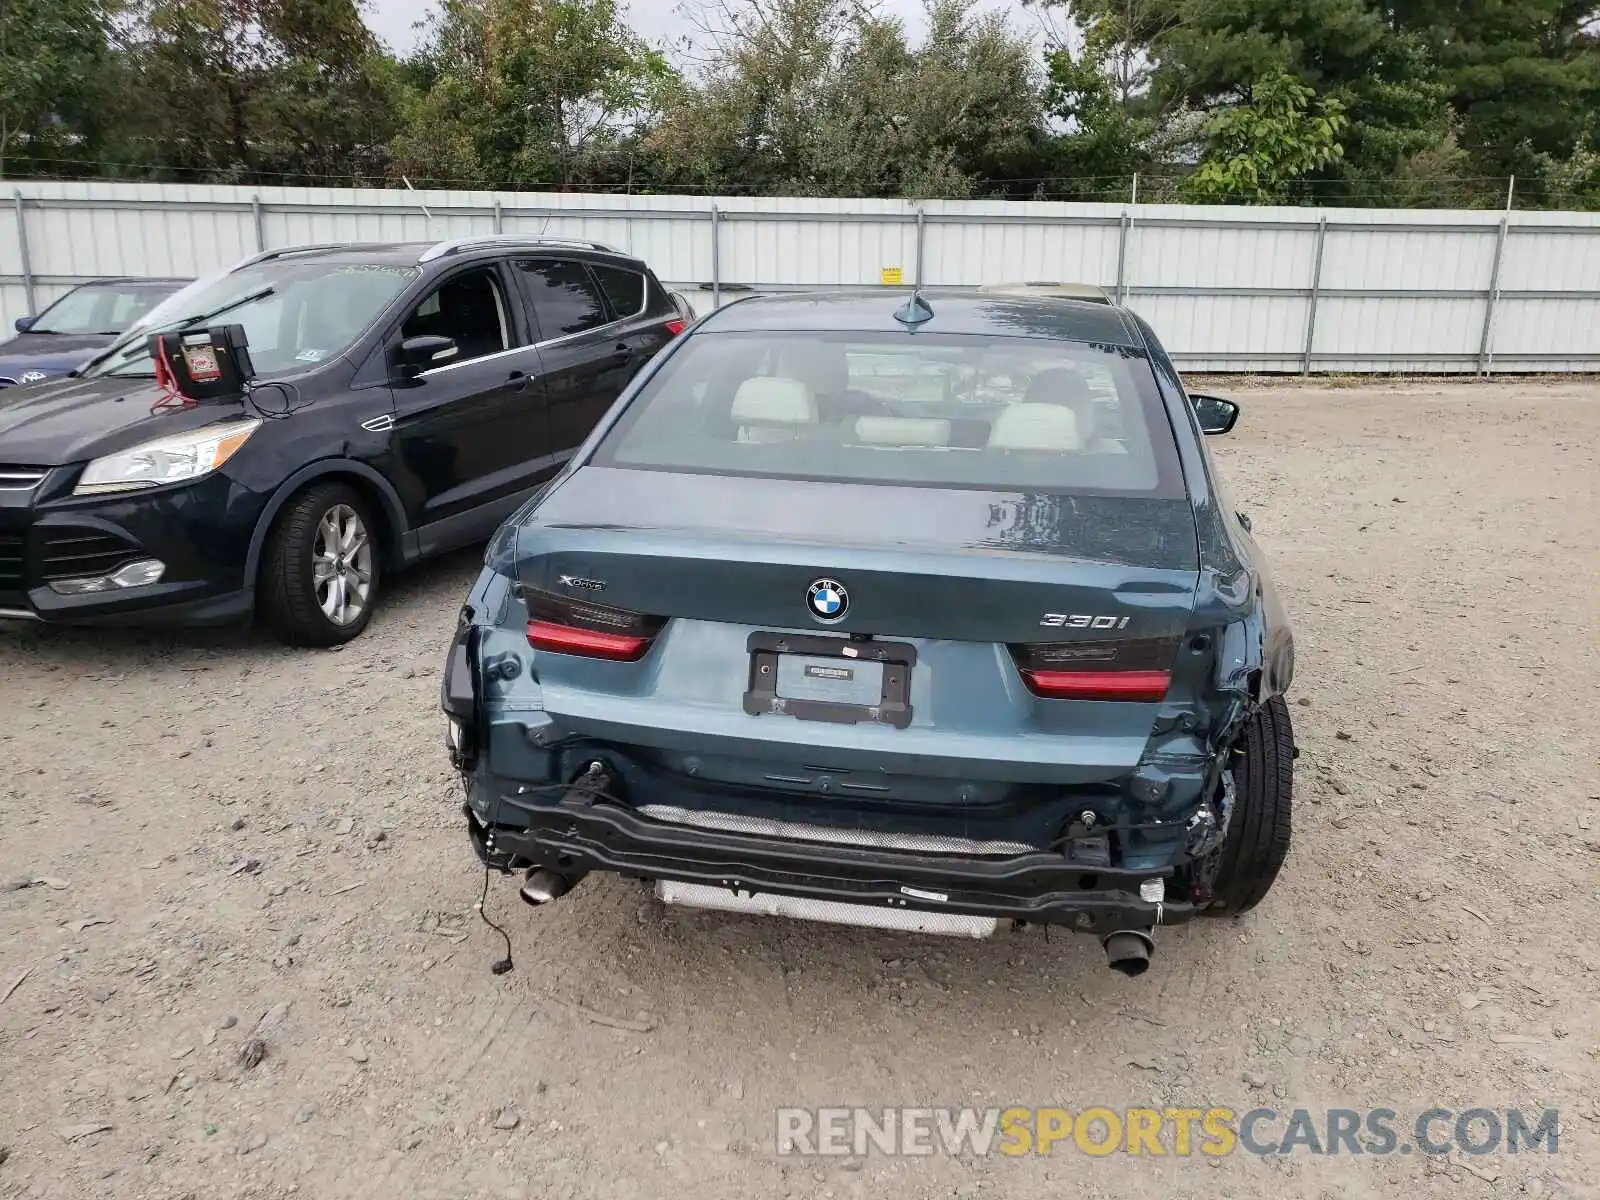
pixel 1179 1132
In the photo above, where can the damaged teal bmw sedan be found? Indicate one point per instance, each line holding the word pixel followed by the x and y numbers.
pixel 931 617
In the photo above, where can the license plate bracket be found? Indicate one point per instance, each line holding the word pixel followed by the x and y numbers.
pixel 894 660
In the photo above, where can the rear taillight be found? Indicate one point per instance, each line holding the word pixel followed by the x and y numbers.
pixel 675 327
pixel 1110 669
pixel 568 626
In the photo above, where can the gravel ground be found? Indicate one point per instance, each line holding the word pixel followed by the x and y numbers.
pixel 247 963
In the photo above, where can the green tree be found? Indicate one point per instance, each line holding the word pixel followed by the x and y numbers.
pixel 810 97
pixel 53 61
pixel 748 121
pixel 548 92
pixel 1200 55
pixel 1107 139
pixel 1524 78
pixel 247 90
pixel 1257 151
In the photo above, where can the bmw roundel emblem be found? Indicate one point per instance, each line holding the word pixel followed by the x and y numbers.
pixel 827 600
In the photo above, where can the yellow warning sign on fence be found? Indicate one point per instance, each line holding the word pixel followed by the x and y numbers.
pixel 891 275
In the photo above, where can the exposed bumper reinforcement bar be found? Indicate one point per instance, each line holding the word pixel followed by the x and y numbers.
pixel 837 912
pixel 575 836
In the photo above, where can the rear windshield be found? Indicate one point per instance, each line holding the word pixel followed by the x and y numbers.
pixel 942 410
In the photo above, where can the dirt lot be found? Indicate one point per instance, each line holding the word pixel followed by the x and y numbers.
pixel 238 841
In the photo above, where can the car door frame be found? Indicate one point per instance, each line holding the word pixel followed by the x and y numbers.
pixel 527 477
pixel 612 348
pixel 640 330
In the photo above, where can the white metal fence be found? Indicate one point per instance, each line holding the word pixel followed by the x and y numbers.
pixel 1228 289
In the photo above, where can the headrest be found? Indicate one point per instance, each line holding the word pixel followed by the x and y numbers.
pixel 902 431
pixel 1059 385
pixel 819 364
pixel 774 400
pixel 1052 427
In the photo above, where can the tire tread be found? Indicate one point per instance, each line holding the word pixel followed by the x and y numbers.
pixel 1263 809
pixel 286 597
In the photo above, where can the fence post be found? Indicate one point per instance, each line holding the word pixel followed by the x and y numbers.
pixel 1316 287
pixel 716 260
pixel 917 286
pixel 1485 354
pixel 499 218
pixel 1124 225
pixel 27 263
pixel 261 224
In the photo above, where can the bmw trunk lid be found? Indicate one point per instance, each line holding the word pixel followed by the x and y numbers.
pixel 934 591
pixel 920 562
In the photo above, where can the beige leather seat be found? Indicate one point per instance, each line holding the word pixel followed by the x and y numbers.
pixel 1051 428
pixel 1068 388
pixel 771 408
pixel 902 431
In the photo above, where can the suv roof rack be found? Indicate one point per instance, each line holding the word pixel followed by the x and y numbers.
pixel 315 248
pixel 457 245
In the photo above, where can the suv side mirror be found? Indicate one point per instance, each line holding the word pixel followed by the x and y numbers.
pixel 1215 414
pixel 23 324
pixel 424 352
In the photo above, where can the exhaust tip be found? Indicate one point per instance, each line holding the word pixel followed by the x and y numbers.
pixel 542 886
pixel 1128 951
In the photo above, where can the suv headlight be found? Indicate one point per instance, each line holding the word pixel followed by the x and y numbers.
pixel 166 460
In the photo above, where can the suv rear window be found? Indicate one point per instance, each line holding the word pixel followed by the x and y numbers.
pixel 946 410
pixel 563 297
pixel 625 289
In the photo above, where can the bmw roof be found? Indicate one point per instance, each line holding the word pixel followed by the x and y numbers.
pixel 957 311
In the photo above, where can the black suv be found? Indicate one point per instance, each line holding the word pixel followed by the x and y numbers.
pixel 405 400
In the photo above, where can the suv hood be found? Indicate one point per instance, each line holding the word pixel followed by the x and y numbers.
pixel 56 353
pixel 72 420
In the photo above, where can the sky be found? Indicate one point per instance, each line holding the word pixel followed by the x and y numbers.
pixel 659 21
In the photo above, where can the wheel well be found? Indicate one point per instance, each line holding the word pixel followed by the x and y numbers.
pixel 377 505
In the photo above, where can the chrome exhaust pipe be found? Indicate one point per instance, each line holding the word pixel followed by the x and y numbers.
pixel 1128 951
pixel 542 886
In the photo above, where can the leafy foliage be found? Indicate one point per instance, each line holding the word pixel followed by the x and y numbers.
pixel 1392 102
pixel 530 91
pixel 239 90
pixel 811 98
pixel 1523 75
pixel 53 54
pixel 1257 151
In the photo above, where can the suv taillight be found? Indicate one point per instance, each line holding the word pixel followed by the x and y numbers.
pixel 1112 669
pixel 675 327
pixel 568 626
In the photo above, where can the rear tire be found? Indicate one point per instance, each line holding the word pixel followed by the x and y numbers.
pixel 1258 834
pixel 320 573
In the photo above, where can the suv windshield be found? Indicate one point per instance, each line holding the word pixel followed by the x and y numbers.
pixel 945 410
pixel 99 308
pixel 295 313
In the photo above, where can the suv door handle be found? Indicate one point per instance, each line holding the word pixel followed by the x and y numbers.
pixel 520 378
pixel 622 353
